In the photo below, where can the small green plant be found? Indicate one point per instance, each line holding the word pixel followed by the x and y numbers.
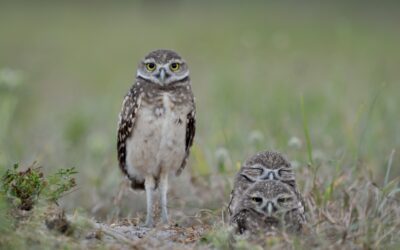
pixel 218 238
pixel 59 184
pixel 26 187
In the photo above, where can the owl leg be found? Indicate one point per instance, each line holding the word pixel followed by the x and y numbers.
pixel 149 186
pixel 163 197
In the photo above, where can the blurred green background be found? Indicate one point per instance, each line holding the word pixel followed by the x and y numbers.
pixel 66 65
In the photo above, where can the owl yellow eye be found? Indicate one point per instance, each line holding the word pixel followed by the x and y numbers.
pixel 285 199
pixel 256 199
pixel 174 66
pixel 150 66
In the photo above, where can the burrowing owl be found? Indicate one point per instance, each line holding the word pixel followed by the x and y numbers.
pixel 265 165
pixel 268 206
pixel 156 125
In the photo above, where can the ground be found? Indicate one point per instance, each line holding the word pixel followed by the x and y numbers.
pixel 166 237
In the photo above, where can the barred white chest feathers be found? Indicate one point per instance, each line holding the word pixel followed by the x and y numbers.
pixel 157 143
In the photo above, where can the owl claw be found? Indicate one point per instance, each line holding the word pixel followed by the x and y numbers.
pixel 148 224
pixel 164 220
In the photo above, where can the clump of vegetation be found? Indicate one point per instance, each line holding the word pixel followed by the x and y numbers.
pixel 55 219
pixel 59 184
pixel 29 198
pixel 351 212
pixel 25 188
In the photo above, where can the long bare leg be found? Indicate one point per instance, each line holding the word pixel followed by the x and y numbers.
pixel 149 187
pixel 163 196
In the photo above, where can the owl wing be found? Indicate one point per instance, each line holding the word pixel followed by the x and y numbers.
pixel 234 197
pixel 243 180
pixel 190 132
pixel 126 124
pixel 294 220
pixel 242 221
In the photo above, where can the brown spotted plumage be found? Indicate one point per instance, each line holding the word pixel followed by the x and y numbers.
pixel 126 122
pixel 266 183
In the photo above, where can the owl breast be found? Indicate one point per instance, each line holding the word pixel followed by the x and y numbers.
pixel 157 143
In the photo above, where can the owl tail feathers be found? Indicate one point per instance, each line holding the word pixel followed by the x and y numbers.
pixel 137 184
pixel 183 165
pixel 178 172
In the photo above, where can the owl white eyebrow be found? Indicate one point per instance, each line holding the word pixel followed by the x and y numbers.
pixel 150 60
pixel 176 61
pixel 255 195
pixel 260 166
pixel 138 74
pixel 248 178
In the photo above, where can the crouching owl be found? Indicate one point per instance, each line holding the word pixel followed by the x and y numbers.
pixel 267 207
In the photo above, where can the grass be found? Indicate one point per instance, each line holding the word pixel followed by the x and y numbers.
pixel 324 76
pixel 306 132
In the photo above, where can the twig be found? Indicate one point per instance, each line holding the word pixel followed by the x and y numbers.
pixel 114 234
pixel 328 217
pixel 385 235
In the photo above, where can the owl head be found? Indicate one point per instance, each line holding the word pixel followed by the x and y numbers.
pixel 163 67
pixel 271 199
pixel 268 166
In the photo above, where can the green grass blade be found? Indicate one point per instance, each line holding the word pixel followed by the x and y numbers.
pixel 364 125
pixel 389 167
pixel 306 131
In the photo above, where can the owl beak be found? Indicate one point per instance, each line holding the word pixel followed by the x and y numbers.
pixel 162 76
pixel 271 176
pixel 269 208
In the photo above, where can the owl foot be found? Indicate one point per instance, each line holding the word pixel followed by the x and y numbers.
pixel 164 220
pixel 149 223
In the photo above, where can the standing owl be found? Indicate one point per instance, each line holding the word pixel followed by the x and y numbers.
pixel 265 165
pixel 268 206
pixel 156 126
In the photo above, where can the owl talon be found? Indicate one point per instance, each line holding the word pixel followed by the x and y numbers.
pixel 164 220
pixel 148 224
